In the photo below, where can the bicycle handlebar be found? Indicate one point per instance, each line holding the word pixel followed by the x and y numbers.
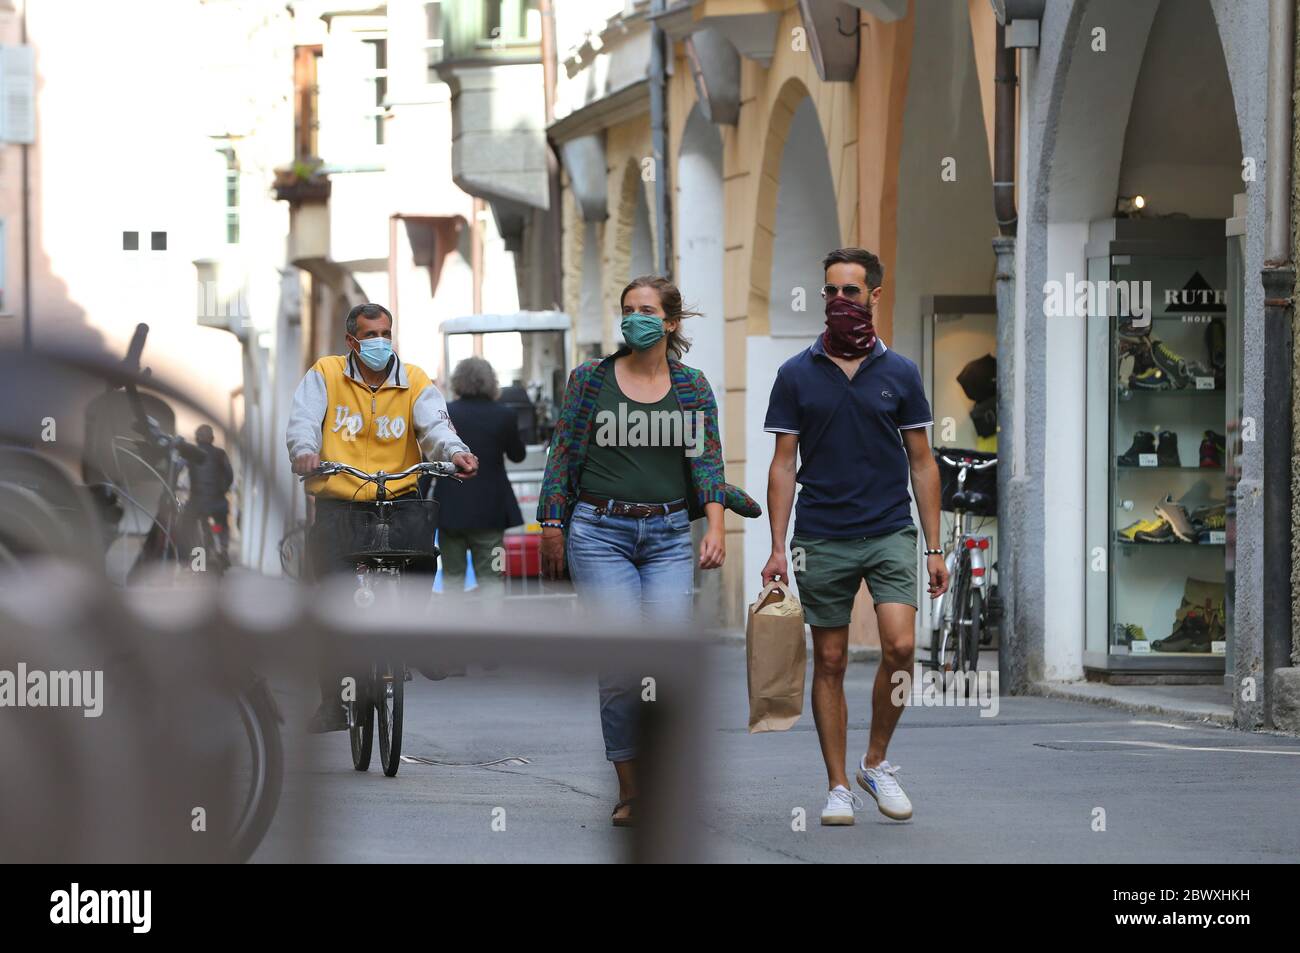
pixel 328 468
pixel 968 464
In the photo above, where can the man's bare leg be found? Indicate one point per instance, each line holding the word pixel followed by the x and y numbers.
pixel 830 711
pixel 896 623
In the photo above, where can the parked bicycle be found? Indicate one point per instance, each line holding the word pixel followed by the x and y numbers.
pixel 958 617
pixel 45 512
pixel 381 548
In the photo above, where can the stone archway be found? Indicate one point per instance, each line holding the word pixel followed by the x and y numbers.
pixel 699 246
pixel 1100 124
pixel 797 219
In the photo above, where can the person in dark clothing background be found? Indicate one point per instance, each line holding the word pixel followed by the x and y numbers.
pixel 473 517
pixel 211 478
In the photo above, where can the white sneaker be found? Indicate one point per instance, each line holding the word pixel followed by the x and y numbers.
pixel 880 784
pixel 840 805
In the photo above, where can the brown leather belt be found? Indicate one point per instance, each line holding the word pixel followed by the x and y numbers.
pixel 638 511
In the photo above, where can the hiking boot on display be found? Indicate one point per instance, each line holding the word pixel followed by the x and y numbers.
pixel 1195 370
pixel 1174 514
pixel 1144 441
pixel 1163 533
pixel 1170 362
pixel 1212 450
pixel 1192 634
pixel 1167 449
pixel 1216 348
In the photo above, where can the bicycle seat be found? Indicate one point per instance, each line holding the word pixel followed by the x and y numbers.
pixel 970 500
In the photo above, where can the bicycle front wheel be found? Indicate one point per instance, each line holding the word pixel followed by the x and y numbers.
pixel 389 686
pixel 361 724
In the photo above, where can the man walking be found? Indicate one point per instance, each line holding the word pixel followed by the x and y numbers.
pixel 211 478
pixel 853 414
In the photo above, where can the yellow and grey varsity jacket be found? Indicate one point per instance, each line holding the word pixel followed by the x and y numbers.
pixel 336 415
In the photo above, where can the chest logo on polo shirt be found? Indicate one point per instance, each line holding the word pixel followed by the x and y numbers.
pixel 888 395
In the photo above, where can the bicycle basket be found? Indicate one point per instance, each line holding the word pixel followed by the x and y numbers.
pixel 406 533
pixel 977 481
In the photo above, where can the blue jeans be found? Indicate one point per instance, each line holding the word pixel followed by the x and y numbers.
pixel 617 562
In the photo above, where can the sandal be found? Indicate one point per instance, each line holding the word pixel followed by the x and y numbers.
pixel 627 821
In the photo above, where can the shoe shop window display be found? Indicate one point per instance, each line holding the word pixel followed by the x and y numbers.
pixel 1167 483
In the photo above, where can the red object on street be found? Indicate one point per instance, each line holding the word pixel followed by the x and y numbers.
pixel 523 556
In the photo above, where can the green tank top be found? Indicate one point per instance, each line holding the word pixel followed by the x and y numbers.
pixel 636 452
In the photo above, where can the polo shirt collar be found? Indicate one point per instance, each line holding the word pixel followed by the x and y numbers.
pixel 819 348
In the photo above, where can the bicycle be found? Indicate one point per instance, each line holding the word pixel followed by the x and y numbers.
pixel 958 617
pixel 45 512
pixel 380 551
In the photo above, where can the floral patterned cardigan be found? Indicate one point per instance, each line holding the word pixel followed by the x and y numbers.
pixel 568 452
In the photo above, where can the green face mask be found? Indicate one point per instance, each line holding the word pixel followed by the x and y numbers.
pixel 642 331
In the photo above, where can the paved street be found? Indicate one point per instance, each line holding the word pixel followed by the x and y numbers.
pixel 1021 786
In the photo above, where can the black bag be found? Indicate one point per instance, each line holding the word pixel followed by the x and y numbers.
pixel 979 378
pixel 977 481
pixel 985 417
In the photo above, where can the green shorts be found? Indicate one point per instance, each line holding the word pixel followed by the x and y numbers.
pixel 828 572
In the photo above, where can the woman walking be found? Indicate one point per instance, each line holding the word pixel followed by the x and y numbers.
pixel 473 517
pixel 636 457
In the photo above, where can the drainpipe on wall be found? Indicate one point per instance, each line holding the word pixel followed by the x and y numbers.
pixel 659 139
pixel 1281 687
pixel 555 214
pixel 27 220
pixel 1012 664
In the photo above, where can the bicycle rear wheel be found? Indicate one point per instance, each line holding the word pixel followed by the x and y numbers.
pixel 390 685
pixel 361 724
pixel 974 630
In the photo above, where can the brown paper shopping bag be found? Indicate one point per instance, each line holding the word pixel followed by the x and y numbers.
pixel 774 650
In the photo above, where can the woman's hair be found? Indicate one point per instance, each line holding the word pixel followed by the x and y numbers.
pixel 475 377
pixel 670 299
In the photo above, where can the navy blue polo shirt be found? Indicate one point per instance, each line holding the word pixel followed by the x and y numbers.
pixel 853 470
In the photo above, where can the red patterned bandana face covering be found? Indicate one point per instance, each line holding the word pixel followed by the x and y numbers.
pixel 849 332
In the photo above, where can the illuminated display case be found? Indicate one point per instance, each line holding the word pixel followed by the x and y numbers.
pixel 1162 373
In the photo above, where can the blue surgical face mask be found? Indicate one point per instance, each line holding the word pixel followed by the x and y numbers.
pixel 375 353
pixel 642 331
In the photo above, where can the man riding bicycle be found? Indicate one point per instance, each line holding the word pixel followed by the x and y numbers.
pixel 368 409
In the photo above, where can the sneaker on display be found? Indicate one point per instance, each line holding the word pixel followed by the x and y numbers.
pixel 1126 633
pixel 1174 514
pixel 1163 533
pixel 1153 378
pixel 1134 358
pixel 840 805
pixel 1170 362
pixel 1126 534
pixel 1212 520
